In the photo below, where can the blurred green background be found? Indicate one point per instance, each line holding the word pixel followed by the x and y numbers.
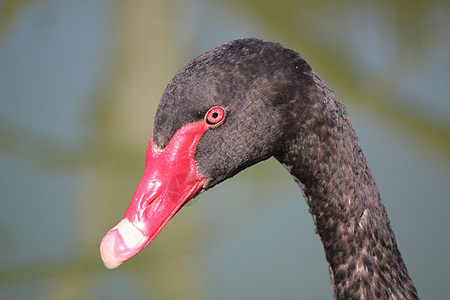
pixel 79 85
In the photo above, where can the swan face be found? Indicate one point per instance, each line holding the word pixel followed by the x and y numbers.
pixel 224 111
pixel 256 83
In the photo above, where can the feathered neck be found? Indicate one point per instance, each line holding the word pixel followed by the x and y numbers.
pixel 324 156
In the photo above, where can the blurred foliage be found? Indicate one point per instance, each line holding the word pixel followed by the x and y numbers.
pixel 9 9
pixel 141 72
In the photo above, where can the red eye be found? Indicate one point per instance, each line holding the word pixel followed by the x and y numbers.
pixel 215 116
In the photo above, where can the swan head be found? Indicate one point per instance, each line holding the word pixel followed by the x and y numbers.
pixel 224 111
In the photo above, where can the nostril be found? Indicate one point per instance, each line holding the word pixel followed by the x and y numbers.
pixel 147 199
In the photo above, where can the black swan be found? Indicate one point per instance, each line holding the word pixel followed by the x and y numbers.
pixel 239 104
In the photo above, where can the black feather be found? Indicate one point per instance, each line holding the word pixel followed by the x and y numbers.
pixel 276 105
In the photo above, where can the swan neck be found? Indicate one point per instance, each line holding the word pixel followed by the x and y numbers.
pixel 325 158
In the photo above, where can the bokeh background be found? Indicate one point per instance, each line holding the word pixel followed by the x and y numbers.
pixel 79 85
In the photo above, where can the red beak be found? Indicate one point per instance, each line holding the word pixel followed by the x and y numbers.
pixel 170 180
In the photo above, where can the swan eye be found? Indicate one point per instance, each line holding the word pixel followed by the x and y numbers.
pixel 215 116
